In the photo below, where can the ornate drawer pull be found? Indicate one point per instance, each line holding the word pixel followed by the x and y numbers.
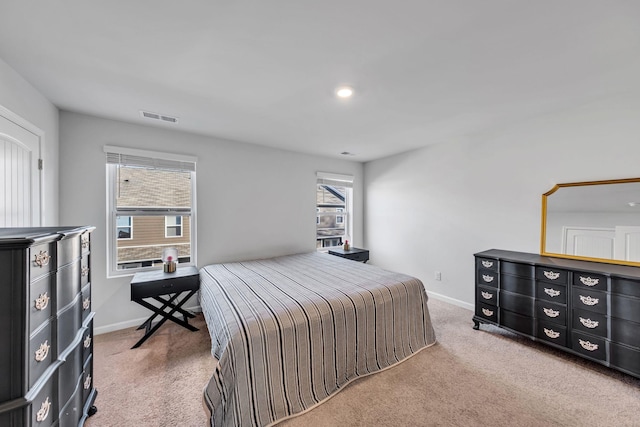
pixel 487 278
pixel 487 312
pixel 86 303
pixel 43 351
pixel 551 313
pixel 486 295
pixel 487 264
pixel 87 341
pixel 588 281
pixel 591 324
pixel 588 300
pixel 87 382
pixel 552 275
pixel 85 242
pixel 43 412
pixel 42 301
pixel 551 292
pixel 85 271
pixel 588 345
pixel 551 333
pixel 41 259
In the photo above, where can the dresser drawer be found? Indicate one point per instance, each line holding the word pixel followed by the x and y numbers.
pixel 487 295
pixel 69 322
pixel 67 284
pixel 625 332
pixel 625 358
pixel 590 322
pixel 85 271
pixel 627 308
pixel 551 292
pixel 625 287
pixel 552 275
pixel 517 322
pixel 517 303
pixel 72 410
pixel 41 260
pixel 68 250
pixel 87 380
pixel 44 411
pixel 40 301
pixel 86 302
pixel 87 343
pixel 85 242
pixel 587 299
pixel 70 373
pixel 41 352
pixel 552 332
pixel 550 312
pixel 518 285
pixel 487 278
pixel 487 264
pixel 487 312
pixel 589 345
pixel 517 269
pixel 590 281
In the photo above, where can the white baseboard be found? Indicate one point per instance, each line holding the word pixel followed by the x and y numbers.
pixel 451 300
pixel 133 322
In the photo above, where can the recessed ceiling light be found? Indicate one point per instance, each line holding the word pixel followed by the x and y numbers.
pixel 344 92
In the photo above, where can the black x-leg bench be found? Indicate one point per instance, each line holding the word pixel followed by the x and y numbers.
pixel 167 289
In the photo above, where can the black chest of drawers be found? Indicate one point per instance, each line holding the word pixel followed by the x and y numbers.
pixel 585 308
pixel 46 361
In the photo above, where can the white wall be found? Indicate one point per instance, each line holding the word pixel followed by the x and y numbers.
pixel 431 209
pixel 22 99
pixel 252 201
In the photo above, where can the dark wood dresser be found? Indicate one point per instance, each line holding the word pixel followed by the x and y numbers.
pixel 586 308
pixel 46 332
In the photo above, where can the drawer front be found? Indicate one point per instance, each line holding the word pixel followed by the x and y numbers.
pixel 517 285
pixel 625 358
pixel 552 275
pixel 68 250
pixel 517 303
pixel 85 242
pixel 590 281
pixel 70 372
pixel 87 343
pixel 551 292
pixel 625 332
pixel 86 302
pixel 625 287
pixel 552 332
pixel 589 322
pixel 164 287
pixel 487 278
pixel 589 345
pixel 487 312
pixel 550 312
pixel 627 308
pixel 40 301
pixel 85 271
pixel 44 411
pixel 87 380
pixel 41 260
pixel 487 295
pixel 69 322
pixel 517 322
pixel 359 256
pixel 487 264
pixel 517 269
pixel 72 411
pixel 67 284
pixel 41 353
pixel 587 299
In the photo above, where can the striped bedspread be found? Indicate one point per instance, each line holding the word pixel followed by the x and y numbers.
pixel 288 332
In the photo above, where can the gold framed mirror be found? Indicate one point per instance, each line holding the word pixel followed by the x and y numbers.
pixel 593 221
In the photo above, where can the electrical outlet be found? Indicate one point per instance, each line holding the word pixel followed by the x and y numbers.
pixel 438 275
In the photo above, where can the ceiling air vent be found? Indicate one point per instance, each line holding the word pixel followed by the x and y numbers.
pixel 156 116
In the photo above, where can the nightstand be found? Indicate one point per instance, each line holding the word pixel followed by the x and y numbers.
pixel 353 254
pixel 165 288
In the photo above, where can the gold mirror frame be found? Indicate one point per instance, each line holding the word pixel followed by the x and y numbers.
pixel 543 250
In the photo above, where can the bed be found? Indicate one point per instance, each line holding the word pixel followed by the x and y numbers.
pixel 289 332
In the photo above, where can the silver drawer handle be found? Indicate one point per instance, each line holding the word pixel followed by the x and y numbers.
pixel 588 300
pixel 43 412
pixel 41 259
pixel 87 341
pixel 42 301
pixel 86 303
pixel 591 324
pixel 487 312
pixel 551 313
pixel 487 278
pixel 486 295
pixel 588 281
pixel 43 351
pixel 551 333
pixel 551 292
pixel 85 271
pixel 85 242
pixel 87 382
pixel 487 264
pixel 552 275
pixel 588 345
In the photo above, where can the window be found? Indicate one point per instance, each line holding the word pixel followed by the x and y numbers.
pixel 334 196
pixel 153 193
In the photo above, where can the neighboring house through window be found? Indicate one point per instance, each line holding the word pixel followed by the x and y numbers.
pixel 152 193
pixel 334 197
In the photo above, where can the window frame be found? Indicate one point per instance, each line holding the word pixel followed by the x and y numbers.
pixel 346 213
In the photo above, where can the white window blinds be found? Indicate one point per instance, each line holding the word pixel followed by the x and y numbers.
pixel 149 159
pixel 326 178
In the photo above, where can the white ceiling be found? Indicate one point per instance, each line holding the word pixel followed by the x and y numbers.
pixel 264 72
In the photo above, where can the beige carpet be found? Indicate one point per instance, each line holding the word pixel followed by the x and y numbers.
pixel 469 378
